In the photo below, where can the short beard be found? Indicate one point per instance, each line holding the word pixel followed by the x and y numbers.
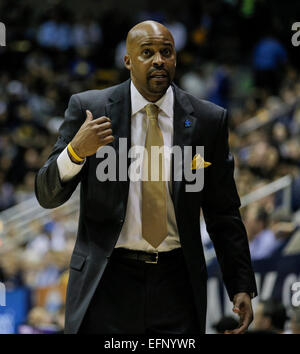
pixel 159 89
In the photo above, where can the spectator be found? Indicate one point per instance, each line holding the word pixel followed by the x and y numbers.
pixel 179 32
pixel 12 273
pixel 220 86
pixel 7 197
pixel 39 321
pixel 270 317
pixel 263 159
pixel 55 33
pixel 194 82
pixel 86 33
pixel 283 228
pixel 262 241
pixel 269 58
pixel 225 323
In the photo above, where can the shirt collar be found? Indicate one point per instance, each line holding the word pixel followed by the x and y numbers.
pixel 138 102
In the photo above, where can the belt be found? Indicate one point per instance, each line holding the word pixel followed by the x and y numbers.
pixel 146 257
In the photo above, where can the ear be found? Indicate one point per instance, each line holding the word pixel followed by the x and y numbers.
pixel 127 62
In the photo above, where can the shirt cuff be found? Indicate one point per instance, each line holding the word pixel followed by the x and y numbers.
pixel 66 167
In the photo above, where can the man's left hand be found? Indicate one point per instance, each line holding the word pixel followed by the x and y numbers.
pixel 243 307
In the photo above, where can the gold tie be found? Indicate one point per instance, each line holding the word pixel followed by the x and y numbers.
pixel 154 197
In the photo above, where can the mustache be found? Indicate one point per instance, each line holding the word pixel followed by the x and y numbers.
pixel 152 72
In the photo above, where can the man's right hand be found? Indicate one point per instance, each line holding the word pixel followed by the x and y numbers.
pixel 92 135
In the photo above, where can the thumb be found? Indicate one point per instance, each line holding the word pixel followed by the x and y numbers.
pixel 89 116
pixel 236 307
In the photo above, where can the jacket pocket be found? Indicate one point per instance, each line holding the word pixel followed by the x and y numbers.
pixel 77 261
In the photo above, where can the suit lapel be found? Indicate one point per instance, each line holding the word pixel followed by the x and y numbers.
pixel 184 127
pixel 119 111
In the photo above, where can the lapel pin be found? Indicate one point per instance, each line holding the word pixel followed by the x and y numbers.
pixel 187 123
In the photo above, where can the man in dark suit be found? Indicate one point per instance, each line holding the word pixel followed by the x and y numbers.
pixel 138 264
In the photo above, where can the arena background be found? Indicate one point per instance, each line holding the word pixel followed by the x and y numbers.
pixel 236 53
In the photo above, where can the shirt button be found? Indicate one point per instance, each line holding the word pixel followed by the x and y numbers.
pixel 121 221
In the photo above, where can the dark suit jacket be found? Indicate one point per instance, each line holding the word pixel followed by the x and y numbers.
pixel 103 204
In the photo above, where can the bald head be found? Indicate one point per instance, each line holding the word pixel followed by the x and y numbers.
pixel 146 29
pixel 151 58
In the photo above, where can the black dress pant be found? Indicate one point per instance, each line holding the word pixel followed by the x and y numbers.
pixel 134 297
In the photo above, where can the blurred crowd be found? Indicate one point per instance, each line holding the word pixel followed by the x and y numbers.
pixel 270 317
pixel 54 51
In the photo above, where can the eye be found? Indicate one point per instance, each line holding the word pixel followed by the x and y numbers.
pixel 166 52
pixel 146 52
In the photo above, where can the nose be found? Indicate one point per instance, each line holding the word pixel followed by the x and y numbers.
pixel 158 60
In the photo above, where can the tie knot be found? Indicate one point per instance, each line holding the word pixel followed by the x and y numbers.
pixel 152 111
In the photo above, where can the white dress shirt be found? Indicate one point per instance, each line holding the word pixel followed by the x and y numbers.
pixel 131 233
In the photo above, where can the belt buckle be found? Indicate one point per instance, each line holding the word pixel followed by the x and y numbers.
pixel 156 259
